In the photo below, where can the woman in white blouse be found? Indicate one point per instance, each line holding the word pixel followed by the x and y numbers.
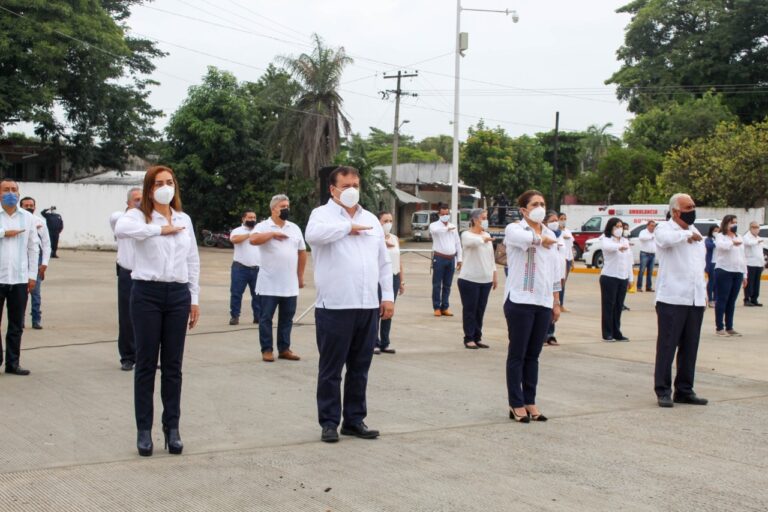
pixel 615 277
pixel 164 300
pixel 730 274
pixel 398 281
pixel 531 302
pixel 476 278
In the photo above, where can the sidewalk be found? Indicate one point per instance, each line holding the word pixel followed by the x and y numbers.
pixel 252 440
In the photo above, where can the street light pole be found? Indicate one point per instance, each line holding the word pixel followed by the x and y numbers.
pixel 456 78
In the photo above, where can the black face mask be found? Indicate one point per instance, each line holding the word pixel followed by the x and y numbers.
pixel 285 213
pixel 688 217
pixel 30 210
pixel 250 223
pixel 735 228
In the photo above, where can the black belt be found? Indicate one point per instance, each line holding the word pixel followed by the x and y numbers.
pixel 245 266
pixel 444 256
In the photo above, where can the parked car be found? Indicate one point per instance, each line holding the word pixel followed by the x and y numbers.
pixel 420 222
pixel 593 255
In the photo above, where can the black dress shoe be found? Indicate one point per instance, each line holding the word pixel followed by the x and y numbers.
pixel 36 326
pixel 480 344
pixel 234 320
pixel 609 340
pixel 16 370
pixel 388 351
pixel 757 304
pixel 329 435
pixel 665 401
pixel 360 430
pixel 173 441
pixel 622 338
pixel 144 443
pixel 690 399
pixel 126 366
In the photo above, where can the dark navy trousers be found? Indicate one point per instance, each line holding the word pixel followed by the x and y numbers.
pixel 242 277
pixel 344 337
pixel 679 328
pixel 287 308
pixel 125 344
pixel 474 299
pixel 526 326
pixel 442 278
pixel 15 295
pixel 160 312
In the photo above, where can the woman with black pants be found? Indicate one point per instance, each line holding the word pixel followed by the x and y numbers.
pixel 531 302
pixel 476 278
pixel 730 274
pixel 164 300
pixel 709 243
pixel 614 278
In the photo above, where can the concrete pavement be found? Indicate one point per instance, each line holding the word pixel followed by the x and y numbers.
pixel 252 439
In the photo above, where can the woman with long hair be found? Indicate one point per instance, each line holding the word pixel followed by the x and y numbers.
pixel 164 300
pixel 398 280
pixel 730 274
pixel 531 302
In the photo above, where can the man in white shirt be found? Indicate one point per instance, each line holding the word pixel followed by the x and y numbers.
pixel 351 262
pixel 753 250
pixel 245 268
pixel 19 254
pixel 126 345
pixel 647 256
pixel 681 298
pixel 44 242
pixel 446 258
pixel 281 274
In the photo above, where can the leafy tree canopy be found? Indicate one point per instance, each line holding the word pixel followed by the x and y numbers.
pixel 618 175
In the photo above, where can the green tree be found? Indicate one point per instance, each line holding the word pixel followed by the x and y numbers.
pixel 441 145
pixel 215 146
pixel 374 184
pixel 312 128
pixel 595 145
pixel 678 49
pixel 663 128
pixel 75 57
pixel 618 175
pixel 728 168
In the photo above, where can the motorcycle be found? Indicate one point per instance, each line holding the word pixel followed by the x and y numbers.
pixel 221 240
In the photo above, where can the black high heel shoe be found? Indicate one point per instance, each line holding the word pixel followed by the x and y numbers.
pixel 173 441
pixel 144 443
pixel 519 419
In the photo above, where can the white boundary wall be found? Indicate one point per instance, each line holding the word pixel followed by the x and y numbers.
pixel 580 213
pixel 85 210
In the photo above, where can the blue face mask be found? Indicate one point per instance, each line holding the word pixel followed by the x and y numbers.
pixel 10 199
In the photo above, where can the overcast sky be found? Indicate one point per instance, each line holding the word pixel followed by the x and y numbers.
pixel 514 75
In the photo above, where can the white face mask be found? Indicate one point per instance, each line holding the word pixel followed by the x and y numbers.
pixel 625 233
pixel 164 194
pixel 617 232
pixel 349 197
pixel 562 224
pixel 445 218
pixel 484 223
pixel 387 227
pixel 537 214
pixel 554 226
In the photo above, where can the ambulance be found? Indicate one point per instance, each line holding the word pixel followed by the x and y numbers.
pixel 632 214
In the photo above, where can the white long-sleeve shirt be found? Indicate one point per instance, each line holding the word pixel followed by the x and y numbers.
pixel 18 254
pixel 479 264
pixel 534 271
pixel 164 258
pixel 125 246
pixel 753 250
pixel 348 268
pixel 616 263
pixel 680 279
pixel 728 256
pixel 44 239
pixel 445 239
pixel 647 241
pixel 567 238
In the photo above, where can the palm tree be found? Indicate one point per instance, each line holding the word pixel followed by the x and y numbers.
pixel 595 145
pixel 309 130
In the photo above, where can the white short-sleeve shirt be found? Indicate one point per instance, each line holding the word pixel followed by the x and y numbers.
pixel 279 260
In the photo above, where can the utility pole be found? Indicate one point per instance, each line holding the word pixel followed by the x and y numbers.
pixel 396 139
pixel 554 161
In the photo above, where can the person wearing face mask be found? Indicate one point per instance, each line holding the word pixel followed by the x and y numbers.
pixel 615 277
pixel 446 257
pixel 350 258
pixel 477 277
pixel 566 238
pixel 164 301
pixel 753 249
pixel 245 268
pixel 730 274
pixel 44 240
pixel 709 242
pixel 681 299
pixel 398 281
pixel 19 257
pixel 647 256
pixel 283 258
pixel 531 302
pixel 553 223
pixel 126 346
